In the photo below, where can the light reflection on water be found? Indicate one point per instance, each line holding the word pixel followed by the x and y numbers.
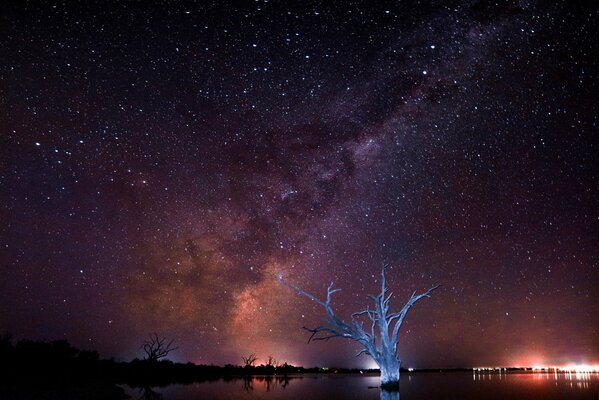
pixel 414 386
pixel 578 379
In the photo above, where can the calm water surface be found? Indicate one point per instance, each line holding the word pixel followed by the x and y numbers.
pixel 430 386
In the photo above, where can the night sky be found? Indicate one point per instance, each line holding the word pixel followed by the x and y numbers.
pixel 161 164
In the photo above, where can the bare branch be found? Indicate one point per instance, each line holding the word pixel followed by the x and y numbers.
pixel 404 311
pixel 155 347
pixel 363 351
pixel 300 291
pixel 337 327
pixel 373 319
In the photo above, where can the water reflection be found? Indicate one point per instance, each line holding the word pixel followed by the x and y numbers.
pixel 269 382
pixel 496 385
pixel 389 395
pixel 555 375
pixel 484 374
pixel 147 393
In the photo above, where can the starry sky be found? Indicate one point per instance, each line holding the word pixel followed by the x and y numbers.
pixel 161 163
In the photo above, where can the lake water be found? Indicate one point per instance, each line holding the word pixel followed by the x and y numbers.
pixel 414 386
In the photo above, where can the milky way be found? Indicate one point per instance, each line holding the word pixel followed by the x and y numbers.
pixel 160 165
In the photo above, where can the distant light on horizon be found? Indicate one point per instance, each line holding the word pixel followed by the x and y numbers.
pixel 577 368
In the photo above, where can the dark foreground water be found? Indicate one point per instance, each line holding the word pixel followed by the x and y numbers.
pixel 415 386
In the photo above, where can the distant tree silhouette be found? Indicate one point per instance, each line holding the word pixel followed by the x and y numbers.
pixel 272 362
pixel 6 347
pixel 250 360
pixel 157 348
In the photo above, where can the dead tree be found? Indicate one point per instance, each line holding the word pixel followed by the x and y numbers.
pixel 157 348
pixel 250 360
pixel 272 362
pixel 378 341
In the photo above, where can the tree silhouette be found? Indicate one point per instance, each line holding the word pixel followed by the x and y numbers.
pixel 272 362
pixel 250 360
pixel 157 348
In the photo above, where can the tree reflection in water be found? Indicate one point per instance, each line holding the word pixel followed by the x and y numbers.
pixel 148 394
pixel 389 394
pixel 268 381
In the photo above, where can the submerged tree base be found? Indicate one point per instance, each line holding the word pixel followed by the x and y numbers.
pixel 391 386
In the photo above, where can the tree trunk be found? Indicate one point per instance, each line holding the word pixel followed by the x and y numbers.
pixel 389 366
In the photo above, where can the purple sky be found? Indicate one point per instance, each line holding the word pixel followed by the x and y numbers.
pixel 161 165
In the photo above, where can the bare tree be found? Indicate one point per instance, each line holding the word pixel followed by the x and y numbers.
pixel 250 360
pixel 157 348
pixel 272 362
pixel 384 327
